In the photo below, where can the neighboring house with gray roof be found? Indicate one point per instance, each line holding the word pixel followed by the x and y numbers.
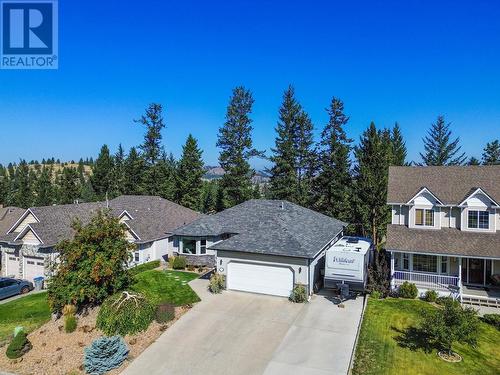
pixel 445 229
pixel 263 246
pixel 28 244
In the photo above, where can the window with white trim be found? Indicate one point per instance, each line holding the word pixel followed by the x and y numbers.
pixel 136 256
pixel 189 246
pixel 478 219
pixel 424 263
pixel 424 217
pixel 406 261
pixel 444 264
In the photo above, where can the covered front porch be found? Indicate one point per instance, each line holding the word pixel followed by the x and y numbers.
pixel 465 278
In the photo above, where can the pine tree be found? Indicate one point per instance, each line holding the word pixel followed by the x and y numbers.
pixel 133 173
pixel 209 196
pixel 235 142
pixel 306 160
pixel 373 158
pixel 118 177
pixel 21 188
pixel 45 188
pixel 69 185
pixel 333 184
pixel 169 172
pixel 473 161
pixel 153 121
pixel 439 150
pixel 491 154
pixel 189 174
pixel 4 185
pixel 102 173
pixel 283 180
pixel 398 146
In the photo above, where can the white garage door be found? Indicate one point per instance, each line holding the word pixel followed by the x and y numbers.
pixel 256 278
pixel 11 265
pixel 33 267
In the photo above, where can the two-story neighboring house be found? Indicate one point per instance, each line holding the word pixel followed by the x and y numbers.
pixel 445 230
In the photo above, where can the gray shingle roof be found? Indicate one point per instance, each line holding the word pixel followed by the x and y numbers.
pixel 152 217
pixel 450 184
pixel 268 227
pixel 444 241
pixel 8 217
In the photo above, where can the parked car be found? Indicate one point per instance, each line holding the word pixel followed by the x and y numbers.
pixel 12 287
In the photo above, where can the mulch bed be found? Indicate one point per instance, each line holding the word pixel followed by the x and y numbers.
pixel 57 352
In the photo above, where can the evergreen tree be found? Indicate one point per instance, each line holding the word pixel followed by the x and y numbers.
pixel 306 160
pixel 333 185
pixel 4 185
pixel 21 188
pixel 283 180
pixel 69 185
pixel 133 172
pixel 189 174
pixel 102 173
pixel 44 188
pixel 168 171
pixel 473 161
pixel 373 158
pixel 209 196
pixel 235 142
pixel 118 177
pixel 153 121
pixel 491 154
pixel 439 150
pixel 398 146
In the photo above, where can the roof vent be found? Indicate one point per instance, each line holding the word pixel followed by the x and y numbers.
pixel 282 205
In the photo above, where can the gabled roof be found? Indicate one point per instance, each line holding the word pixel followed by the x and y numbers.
pixel 424 190
pixel 8 216
pixel 152 218
pixel 450 184
pixel 268 227
pixel 475 191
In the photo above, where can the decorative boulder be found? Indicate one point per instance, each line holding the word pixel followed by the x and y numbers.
pixel 105 354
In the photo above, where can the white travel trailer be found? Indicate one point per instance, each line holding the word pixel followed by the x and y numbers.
pixel 347 263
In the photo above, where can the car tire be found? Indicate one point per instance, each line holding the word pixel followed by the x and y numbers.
pixel 25 289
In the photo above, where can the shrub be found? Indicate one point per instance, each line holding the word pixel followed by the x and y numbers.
pixel 145 267
pixel 18 346
pixel 376 294
pixel 125 313
pixel 92 265
pixel 430 296
pixel 171 262
pixel 493 319
pixel 379 274
pixel 442 300
pixel 216 284
pixel 452 323
pixel 299 294
pixel 165 312
pixel 408 290
pixel 104 354
pixel 69 310
pixel 70 323
pixel 179 263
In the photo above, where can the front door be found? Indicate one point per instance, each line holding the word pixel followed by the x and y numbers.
pixel 476 271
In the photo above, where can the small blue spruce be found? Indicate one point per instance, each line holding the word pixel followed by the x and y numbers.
pixel 105 354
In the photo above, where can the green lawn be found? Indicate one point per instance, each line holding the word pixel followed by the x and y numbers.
pixel 166 286
pixel 382 349
pixel 30 312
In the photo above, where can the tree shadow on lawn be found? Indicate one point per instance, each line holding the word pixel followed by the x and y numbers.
pixel 413 338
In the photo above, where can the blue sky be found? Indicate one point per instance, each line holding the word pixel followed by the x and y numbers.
pixel 405 61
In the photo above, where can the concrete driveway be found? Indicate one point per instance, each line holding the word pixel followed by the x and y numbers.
pixel 242 333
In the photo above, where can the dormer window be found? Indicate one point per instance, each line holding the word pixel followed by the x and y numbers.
pixel 424 217
pixel 478 219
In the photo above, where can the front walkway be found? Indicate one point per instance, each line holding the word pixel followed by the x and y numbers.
pixel 243 333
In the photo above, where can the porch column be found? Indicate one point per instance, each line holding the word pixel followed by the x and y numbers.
pixel 460 279
pixel 392 270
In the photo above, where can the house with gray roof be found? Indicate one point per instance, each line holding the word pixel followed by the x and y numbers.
pixel 445 230
pixel 27 245
pixel 262 246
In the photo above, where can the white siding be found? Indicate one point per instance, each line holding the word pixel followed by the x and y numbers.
pixel 29 219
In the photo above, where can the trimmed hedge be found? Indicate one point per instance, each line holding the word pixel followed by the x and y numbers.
pixel 179 263
pixel 145 267
pixel 408 290
pixel 125 313
pixel 430 296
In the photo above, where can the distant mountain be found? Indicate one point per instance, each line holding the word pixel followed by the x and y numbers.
pixel 215 172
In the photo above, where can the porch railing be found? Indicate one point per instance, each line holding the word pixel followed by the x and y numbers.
pixel 426 279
